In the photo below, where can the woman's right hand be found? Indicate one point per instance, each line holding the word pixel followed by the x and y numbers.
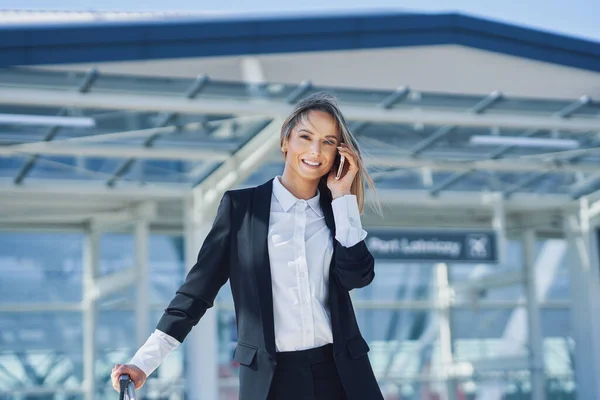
pixel 137 375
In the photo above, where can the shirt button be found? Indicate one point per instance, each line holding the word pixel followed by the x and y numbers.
pixel 351 219
pixel 302 274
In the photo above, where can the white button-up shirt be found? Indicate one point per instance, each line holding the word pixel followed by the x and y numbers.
pixel 300 251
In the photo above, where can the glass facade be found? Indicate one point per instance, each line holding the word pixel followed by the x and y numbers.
pixel 400 315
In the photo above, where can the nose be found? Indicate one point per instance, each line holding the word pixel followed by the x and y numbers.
pixel 316 147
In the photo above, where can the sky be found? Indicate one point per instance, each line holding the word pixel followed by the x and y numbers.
pixel 572 17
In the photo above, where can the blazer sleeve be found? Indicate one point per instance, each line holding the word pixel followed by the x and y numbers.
pixel 207 276
pixel 354 266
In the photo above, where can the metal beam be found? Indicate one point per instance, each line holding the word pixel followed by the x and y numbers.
pixel 99 221
pixel 91 254
pixel 40 307
pixel 275 109
pixel 112 283
pixel 142 280
pixel 302 88
pixel 113 136
pixel 78 190
pixel 373 159
pixel 165 119
pixel 238 167
pixel 398 95
pixel 534 177
pixel 492 281
pixel 47 120
pixel 88 80
pixel 451 199
pixel 585 187
pixel 499 226
pixel 444 300
pixel 174 153
pixel 535 338
pixel 506 165
pixel 565 113
pixel 478 108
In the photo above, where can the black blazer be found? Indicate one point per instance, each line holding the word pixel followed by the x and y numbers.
pixel 236 249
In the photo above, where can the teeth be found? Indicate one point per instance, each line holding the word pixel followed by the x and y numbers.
pixel 311 163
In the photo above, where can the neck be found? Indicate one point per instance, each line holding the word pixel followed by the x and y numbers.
pixel 301 188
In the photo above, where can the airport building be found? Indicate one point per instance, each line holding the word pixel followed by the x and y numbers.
pixel 119 133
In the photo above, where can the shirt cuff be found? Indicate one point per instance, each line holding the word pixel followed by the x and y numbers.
pixel 348 226
pixel 158 346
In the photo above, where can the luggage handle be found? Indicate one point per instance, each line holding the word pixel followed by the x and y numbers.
pixel 127 387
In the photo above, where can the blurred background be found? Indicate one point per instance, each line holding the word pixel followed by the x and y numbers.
pixel 122 123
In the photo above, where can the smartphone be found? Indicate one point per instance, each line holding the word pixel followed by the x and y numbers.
pixel 340 168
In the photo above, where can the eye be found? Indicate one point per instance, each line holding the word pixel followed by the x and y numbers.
pixel 305 137
pixel 330 142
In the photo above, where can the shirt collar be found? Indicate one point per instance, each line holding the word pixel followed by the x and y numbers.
pixel 288 200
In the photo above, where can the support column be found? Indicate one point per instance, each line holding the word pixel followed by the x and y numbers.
pixel 201 351
pixel 535 339
pixel 142 301
pixel 584 267
pixel 499 225
pixel 91 260
pixel 443 296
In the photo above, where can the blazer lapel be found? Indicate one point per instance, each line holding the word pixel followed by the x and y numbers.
pixel 325 202
pixel 261 209
pixel 333 289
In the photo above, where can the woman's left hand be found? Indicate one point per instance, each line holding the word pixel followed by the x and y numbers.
pixel 341 187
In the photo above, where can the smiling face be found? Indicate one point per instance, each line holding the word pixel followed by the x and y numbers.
pixel 312 146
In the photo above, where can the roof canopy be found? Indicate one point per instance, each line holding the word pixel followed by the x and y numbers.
pixel 69 129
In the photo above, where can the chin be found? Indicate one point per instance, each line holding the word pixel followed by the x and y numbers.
pixel 312 175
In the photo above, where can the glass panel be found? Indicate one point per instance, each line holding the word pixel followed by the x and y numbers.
pixel 466 276
pixel 154 85
pixel 552 269
pixel 439 101
pixel 10 166
pixel 73 168
pixel 522 105
pixel 395 281
pixel 167 267
pixel 403 343
pixel 117 253
pixel 40 267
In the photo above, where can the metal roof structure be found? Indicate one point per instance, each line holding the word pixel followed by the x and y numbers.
pixel 130 137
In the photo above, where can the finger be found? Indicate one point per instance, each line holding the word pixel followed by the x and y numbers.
pixel 123 369
pixel 346 150
pixel 350 157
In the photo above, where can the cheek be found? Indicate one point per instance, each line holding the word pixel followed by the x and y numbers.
pixel 295 146
pixel 331 154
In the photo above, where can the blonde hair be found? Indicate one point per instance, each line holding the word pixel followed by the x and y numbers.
pixel 326 102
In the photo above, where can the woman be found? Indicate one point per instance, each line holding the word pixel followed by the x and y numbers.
pixel 292 248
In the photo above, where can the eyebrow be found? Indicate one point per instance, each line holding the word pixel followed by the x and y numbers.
pixel 328 136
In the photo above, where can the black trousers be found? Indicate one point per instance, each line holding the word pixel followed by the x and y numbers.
pixel 306 375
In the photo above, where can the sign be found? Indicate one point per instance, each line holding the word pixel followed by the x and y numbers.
pixel 433 245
